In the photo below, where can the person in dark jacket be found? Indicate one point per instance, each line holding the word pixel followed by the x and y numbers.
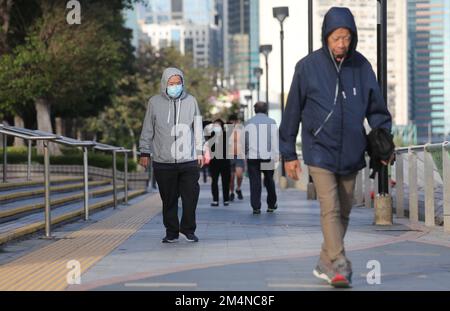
pixel 333 91
pixel 220 164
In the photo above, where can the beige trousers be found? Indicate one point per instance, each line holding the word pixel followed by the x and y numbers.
pixel 335 194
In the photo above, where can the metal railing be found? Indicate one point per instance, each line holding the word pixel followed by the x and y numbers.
pixel 407 158
pixel 429 182
pixel 36 135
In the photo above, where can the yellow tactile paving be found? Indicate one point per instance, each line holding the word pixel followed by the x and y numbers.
pixel 46 268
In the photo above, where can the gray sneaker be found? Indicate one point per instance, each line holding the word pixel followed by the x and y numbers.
pixel 343 269
pixel 324 271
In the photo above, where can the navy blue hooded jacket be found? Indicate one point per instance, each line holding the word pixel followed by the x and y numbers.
pixel 332 104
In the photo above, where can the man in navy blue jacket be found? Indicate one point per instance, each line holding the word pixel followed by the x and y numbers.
pixel 333 91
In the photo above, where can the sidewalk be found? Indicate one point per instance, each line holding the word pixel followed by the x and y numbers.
pixel 270 252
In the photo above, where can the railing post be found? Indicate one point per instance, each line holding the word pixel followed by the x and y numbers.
pixel 47 190
pixel 5 158
pixel 412 174
pixel 429 188
pixel 367 188
pixel 446 168
pixel 29 161
pixel 399 190
pixel 125 181
pixel 359 189
pixel 86 183
pixel 114 155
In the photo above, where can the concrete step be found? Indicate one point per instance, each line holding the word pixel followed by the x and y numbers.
pixel 15 195
pixel 33 223
pixel 21 183
pixel 19 209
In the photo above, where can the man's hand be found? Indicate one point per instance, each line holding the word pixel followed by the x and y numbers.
pixel 144 161
pixel 386 163
pixel 293 169
pixel 200 161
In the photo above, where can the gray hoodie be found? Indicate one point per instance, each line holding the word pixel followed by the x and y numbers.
pixel 172 130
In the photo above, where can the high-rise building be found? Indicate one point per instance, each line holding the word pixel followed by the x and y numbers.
pixel 429 67
pixel 366 16
pixel 254 39
pixel 188 25
pixel 236 38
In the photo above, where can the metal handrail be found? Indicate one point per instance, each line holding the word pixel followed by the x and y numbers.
pixel 35 135
pixel 115 150
pixel 429 171
pixel 11 131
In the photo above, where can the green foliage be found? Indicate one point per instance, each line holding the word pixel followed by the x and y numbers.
pixel 19 155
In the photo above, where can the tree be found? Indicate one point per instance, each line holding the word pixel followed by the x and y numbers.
pixel 60 65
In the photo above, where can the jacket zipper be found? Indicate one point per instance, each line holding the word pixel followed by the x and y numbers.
pixel 342 132
pixel 175 125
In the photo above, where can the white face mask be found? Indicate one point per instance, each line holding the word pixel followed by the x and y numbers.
pixel 217 129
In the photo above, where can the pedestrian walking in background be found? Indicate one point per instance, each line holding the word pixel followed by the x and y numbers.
pixel 220 163
pixel 238 157
pixel 261 150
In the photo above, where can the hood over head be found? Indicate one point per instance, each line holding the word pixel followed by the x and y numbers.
pixel 340 17
pixel 167 74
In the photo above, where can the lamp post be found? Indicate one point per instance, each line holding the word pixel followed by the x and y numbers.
pixel 311 189
pixel 248 99
pixel 281 13
pixel 251 87
pixel 383 201
pixel 258 72
pixel 266 50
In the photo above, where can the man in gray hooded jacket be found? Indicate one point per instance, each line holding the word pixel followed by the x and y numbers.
pixel 172 136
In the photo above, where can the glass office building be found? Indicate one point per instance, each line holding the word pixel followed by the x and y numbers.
pixel 429 68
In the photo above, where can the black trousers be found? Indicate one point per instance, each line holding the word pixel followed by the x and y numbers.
pixel 254 174
pixel 173 183
pixel 223 168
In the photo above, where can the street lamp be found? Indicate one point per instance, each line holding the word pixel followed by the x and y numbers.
pixel 248 99
pixel 266 50
pixel 258 72
pixel 251 87
pixel 281 13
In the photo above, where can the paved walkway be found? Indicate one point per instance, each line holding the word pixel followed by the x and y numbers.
pixel 270 252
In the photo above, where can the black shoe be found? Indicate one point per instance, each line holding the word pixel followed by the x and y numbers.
pixel 170 239
pixel 232 196
pixel 256 212
pixel 190 237
pixel 215 204
pixel 239 193
pixel 272 209
pixel 226 203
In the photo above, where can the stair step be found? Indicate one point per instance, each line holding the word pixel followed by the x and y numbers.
pixel 15 212
pixel 21 184
pixel 55 189
pixel 32 227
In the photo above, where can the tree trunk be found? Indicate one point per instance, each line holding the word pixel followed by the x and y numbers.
pixel 59 126
pixel 44 124
pixel 5 9
pixel 18 122
pixel 134 148
pixel 4 122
